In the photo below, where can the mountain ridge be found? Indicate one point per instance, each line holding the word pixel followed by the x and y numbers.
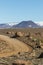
pixel 22 24
pixel 26 24
pixel 4 25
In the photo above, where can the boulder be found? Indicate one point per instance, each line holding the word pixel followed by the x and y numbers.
pixel 18 34
pixel 8 32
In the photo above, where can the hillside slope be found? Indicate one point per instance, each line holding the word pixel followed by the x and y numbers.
pixel 12 46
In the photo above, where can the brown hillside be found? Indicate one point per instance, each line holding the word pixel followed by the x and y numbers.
pixel 10 46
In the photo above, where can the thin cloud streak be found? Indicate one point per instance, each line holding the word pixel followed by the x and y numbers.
pixel 39 23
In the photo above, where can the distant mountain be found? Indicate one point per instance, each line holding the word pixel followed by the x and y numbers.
pixel 5 26
pixel 26 24
pixel 23 24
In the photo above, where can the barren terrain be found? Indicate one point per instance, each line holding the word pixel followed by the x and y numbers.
pixel 21 46
pixel 12 46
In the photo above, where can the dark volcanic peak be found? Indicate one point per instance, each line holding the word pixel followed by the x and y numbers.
pixel 26 24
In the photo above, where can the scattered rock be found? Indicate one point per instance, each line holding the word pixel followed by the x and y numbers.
pixel 8 32
pixel 41 55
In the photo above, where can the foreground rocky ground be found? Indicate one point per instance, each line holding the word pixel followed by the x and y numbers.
pixel 21 59
pixel 34 56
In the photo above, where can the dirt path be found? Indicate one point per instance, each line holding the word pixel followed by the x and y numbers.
pixel 15 45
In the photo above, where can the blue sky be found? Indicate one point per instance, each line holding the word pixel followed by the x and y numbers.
pixel 18 10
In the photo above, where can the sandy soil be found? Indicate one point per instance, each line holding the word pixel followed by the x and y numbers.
pixel 15 46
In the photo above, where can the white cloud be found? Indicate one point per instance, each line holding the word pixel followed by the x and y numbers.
pixel 39 23
pixel 12 23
